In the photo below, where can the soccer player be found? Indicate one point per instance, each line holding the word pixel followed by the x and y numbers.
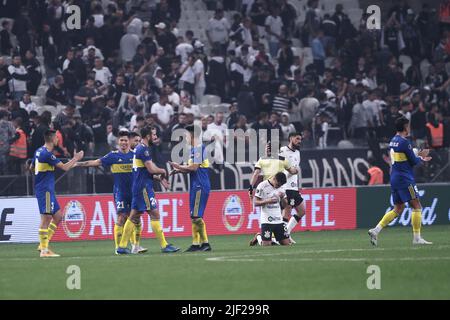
pixel 294 200
pixel 268 195
pixel 268 166
pixel 43 164
pixel 403 187
pixel 143 196
pixel 200 187
pixel 135 139
pixel 121 164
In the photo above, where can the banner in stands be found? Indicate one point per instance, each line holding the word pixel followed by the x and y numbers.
pixel 227 212
pixel 319 168
pixel 375 201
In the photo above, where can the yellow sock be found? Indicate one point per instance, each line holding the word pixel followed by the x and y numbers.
pixel 416 220
pixel 127 230
pixel 43 238
pixel 51 230
pixel 202 231
pixel 156 227
pixel 387 218
pixel 133 237
pixel 195 234
pixel 136 234
pixel 118 230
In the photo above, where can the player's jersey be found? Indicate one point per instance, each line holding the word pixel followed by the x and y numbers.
pixel 141 176
pixel 270 213
pixel 271 166
pixel 200 177
pixel 44 167
pixel 293 157
pixel 121 165
pixel 403 160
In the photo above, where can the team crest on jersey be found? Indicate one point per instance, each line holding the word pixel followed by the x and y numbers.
pixel 233 213
pixel 74 219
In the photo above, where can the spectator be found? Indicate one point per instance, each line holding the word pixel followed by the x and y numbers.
pixel 102 73
pixel 19 77
pixel 274 29
pixel 7 133
pixel 198 69
pixel 27 104
pixel 375 174
pixel 5 38
pixel 188 108
pixel 37 138
pixel 217 74
pixel 217 30
pixel 286 127
pixel 217 132
pixel 165 38
pixel 128 45
pixel 318 52
pixel 18 148
pixel 56 94
pixel 163 111
pixel 34 72
pixel 281 102
pixel 62 118
pixel 435 132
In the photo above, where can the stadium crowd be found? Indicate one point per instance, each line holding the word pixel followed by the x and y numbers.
pixel 131 65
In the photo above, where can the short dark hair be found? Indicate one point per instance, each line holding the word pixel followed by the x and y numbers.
pixel 48 135
pixel 294 134
pixel 145 131
pixel 281 178
pixel 134 134
pixel 124 133
pixel 400 123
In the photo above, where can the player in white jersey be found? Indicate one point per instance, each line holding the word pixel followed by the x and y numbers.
pixel 291 154
pixel 268 195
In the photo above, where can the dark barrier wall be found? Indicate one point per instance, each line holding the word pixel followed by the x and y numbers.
pixel 373 202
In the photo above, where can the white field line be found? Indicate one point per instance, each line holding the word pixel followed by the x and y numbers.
pixel 242 257
pixel 331 259
pixel 254 257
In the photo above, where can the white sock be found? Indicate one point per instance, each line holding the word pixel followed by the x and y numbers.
pixel 275 240
pixel 377 229
pixel 258 237
pixel 417 236
pixel 291 224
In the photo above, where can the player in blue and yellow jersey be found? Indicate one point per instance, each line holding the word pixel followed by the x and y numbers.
pixel 200 187
pixel 143 196
pixel 121 164
pixel 43 165
pixel 403 186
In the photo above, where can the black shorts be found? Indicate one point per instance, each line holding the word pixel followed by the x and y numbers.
pixel 279 231
pixel 293 198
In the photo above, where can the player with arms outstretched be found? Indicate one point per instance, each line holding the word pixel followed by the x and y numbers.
pixel 143 196
pixel 121 164
pixel 403 186
pixel 200 187
pixel 43 164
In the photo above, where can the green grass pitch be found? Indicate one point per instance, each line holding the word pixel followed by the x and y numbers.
pixel 322 265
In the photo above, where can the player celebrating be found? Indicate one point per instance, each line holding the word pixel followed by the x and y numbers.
pixel 268 195
pixel 121 164
pixel 200 187
pixel 43 164
pixel 294 200
pixel 143 196
pixel 403 187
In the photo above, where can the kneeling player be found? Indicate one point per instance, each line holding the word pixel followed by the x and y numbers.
pixel 268 198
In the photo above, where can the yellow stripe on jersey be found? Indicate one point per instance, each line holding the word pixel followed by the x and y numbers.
pixel 197 203
pixel 137 163
pixel 411 192
pixel 122 168
pixel 146 199
pixel 204 164
pixel 399 156
pixel 271 167
pixel 47 202
pixel 42 167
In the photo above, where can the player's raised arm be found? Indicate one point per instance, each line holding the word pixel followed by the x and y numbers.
pixel 71 163
pixel 184 168
pixel 253 180
pixel 153 169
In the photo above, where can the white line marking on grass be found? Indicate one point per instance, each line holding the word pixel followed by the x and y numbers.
pixel 224 259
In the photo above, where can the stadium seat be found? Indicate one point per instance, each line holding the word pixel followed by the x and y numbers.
pixel 210 99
